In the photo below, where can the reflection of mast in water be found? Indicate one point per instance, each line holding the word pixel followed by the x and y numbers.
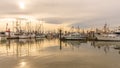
pixel 8 47
pixel 29 47
pixel 17 49
pixel 13 49
pixel 106 49
pixel 60 45
pixel 117 48
pixel 20 48
pixel 72 44
pixel 93 44
pixel 75 43
pixel 38 43
pixel 102 44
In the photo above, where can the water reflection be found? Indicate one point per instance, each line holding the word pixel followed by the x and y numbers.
pixel 106 45
pixel 22 47
pixel 31 47
pixel 33 53
pixel 71 44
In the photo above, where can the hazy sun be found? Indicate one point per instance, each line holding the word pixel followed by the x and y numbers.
pixel 22 5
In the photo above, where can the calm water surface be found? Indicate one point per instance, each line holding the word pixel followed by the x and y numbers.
pixel 55 54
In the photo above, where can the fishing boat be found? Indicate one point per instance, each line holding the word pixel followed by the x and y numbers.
pixel 117 31
pixel 2 36
pixel 24 36
pixel 32 35
pixel 74 36
pixel 107 37
pixel 40 36
pixel 27 36
pixel 113 36
pixel 11 35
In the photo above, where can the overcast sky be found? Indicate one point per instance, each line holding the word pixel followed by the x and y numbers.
pixel 86 13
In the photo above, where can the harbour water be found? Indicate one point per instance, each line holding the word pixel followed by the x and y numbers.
pixel 53 53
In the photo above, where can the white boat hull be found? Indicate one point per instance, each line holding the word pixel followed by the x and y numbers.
pixel 40 36
pixel 107 37
pixel 74 36
pixel 12 37
pixel 24 37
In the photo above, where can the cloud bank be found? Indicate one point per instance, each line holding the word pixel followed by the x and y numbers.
pixel 86 13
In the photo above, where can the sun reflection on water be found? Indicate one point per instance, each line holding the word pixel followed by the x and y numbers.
pixel 22 64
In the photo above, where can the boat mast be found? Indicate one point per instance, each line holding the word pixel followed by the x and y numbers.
pixel 105 28
pixel 6 26
pixel 78 30
pixel 72 29
pixel 17 26
pixel 13 26
pixel 20 25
